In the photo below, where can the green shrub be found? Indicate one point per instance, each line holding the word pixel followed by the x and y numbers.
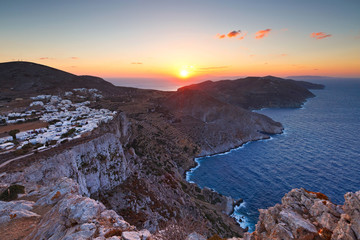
pixel 68 133
pixel 54 121
pixel 11 193
pixel 13 133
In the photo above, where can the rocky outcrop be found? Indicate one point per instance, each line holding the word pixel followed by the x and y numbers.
pixel 59 211
pixel 309 215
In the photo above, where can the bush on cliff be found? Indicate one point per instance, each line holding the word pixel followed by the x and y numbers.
pixel 12 192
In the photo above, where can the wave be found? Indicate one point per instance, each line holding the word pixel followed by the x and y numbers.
pixel 242 219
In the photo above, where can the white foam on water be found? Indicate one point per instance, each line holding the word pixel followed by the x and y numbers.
pixel 241 219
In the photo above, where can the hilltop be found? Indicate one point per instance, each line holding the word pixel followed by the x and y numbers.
pixel 258 92
pixel 135 162
pixel 29 78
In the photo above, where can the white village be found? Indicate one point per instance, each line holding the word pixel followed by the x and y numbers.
pixel 66 120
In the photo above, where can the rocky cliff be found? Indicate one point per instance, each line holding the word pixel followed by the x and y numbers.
pixel 149 193
pixel 59 211
pixel 128 175
pixel 309 215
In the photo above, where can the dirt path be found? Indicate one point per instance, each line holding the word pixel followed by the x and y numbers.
pixel 14 159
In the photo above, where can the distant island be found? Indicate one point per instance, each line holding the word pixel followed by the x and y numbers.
pixel 89 159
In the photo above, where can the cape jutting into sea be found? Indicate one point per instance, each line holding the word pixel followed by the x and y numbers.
pixel 319 151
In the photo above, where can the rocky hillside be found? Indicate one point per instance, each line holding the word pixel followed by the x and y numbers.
pixel 258 92
pixel 214 125
pixel 134 165
pixel 310 215
pixel 31 78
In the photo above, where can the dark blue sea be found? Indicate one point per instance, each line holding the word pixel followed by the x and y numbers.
pixel 319 151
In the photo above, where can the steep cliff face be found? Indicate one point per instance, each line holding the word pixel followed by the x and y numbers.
pixel 309 215
pixel 147 190
pixel 98 164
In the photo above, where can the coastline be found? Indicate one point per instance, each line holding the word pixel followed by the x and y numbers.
pixel 240 219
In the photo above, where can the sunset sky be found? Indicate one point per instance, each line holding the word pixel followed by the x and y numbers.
pixel 184 40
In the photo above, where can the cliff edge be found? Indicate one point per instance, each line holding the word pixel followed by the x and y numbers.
pixel 309 215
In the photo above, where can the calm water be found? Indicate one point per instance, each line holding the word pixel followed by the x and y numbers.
pixel 319 151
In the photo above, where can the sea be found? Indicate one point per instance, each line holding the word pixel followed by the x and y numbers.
pixel 319 151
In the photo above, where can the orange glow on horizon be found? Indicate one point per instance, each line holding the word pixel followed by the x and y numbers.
pixel 184 73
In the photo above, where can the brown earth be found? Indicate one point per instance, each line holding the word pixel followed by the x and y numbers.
pixel 22 127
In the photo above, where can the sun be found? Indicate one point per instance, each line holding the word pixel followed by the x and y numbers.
pixel 184 73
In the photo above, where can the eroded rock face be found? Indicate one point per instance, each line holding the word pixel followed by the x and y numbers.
pixel 100 163
pixel 62 213
pixel 147 193
pixel 309 215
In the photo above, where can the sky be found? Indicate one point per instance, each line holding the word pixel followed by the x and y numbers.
pixel 184 41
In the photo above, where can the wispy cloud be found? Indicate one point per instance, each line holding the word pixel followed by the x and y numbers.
pixel 242 36
pixel 137 63
pixel 44 58
pixel 357 36
pixel 213 68
pixel 262 33
pixel 232 34
pixel 283 55
pixel 320 35
pixel 74 58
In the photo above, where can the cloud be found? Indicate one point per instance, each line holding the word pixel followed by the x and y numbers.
pixel 74 58
pixel 44 58
pixel 262 33
pixel 320 35
pixel 357 36
pixel 283 55
pixel 137 63
pixel 214 68
pixel 243 36
pixel 233 33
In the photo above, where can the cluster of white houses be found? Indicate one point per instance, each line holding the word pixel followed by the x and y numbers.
pixel 67 120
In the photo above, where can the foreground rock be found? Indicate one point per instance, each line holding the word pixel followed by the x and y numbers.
pixel 60 212
pixel 308 215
